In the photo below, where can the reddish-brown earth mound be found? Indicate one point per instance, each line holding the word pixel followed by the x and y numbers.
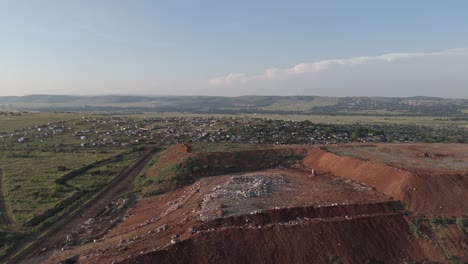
pixel 248 160
pixel 175 154
pixel 335 209
pixel 423 192
pixel 336 234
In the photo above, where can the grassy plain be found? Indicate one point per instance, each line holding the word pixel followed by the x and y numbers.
pixel 99 176
pixel 301 105
pixel 32 194
pixel 28 183
pixel 203 147
pixel 31 169
pixel 22 120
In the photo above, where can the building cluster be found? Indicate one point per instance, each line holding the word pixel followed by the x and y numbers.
pixel 95 131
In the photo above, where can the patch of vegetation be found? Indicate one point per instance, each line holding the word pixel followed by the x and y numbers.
pixel 183 169
pixel 411 106
pixel 52 212
pixel 8 241
pixel 123 201
pixel 157 177
pixel 423 227
pixel 71 242
pixel 14 121
pixel 419 228
pixel 22 155
pixel 30 185
pixel 70 175
pixel 184 172
pixel 439 221
pixel 204 147
pixel 462 223
pixel 168 177
pixel 455 259
pixel 290 157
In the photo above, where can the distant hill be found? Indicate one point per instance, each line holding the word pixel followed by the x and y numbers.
pixel 379 106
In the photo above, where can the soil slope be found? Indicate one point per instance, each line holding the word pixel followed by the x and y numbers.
pixel 366 239
pixel 325 208
pixel 422 192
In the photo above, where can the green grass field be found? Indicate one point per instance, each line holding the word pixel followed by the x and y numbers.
pixel 23 120
pixel 33 194
pixel 287 105
pixel 94 179
pixel 203 147
pixel 31 190
pixel 28 182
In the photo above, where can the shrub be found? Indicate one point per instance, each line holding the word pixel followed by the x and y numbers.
pixel 417 227
pixel 455 260
pixel 62 168
pixel 439 222
pixel 462 223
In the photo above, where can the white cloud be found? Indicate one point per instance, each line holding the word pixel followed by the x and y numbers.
pixel 318 66
pixel 229 79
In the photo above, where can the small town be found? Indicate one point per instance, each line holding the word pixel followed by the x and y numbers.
pixel 122 131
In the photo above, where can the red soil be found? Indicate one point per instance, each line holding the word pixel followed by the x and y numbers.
pixel 421 192
pixel 445 241
pixel 363 240
pixel 247 160
pixel 430 158
pixel 305 218
pixel 179 211
pixel 174 154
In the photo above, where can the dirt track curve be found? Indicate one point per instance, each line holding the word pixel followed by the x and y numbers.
pixel 58 231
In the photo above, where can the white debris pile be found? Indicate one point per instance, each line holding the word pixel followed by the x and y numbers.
pixel 237 190
pixel 251 187
pixel 88 223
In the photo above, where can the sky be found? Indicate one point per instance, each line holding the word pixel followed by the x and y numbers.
pixel 231 48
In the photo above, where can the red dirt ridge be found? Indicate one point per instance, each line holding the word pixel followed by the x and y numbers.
pixel 422 192
pixel 294 205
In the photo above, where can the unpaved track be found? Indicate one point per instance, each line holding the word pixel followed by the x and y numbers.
pixel 4 219
pixel 169 217
pixel 58 231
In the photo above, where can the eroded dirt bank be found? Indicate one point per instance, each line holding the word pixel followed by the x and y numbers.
pixel 335 234
pixel 284 215
pixel 422 192
pixel 219 163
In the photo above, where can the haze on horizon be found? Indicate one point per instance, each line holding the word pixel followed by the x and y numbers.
pixel 328 48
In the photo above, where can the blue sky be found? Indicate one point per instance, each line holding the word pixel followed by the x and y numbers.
pixel 222 47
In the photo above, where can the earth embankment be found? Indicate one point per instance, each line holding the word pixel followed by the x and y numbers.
pixel 335 234
pixel 432 194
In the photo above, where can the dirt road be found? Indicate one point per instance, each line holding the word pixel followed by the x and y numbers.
pixel 60 229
